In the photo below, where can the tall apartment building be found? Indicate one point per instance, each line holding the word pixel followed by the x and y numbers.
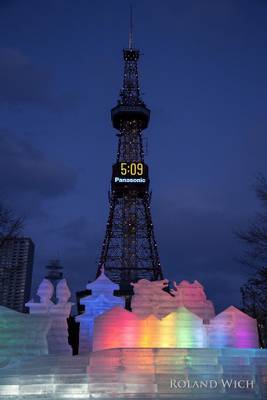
pixel 16 263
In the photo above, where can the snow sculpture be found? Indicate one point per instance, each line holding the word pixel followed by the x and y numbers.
pixel 57 313
pixel 150 298
pixel 101 300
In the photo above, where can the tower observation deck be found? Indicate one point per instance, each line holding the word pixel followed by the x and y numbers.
pixel 129 250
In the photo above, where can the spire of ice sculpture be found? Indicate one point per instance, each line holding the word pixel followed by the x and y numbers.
pixel 45 291
pixel 62 291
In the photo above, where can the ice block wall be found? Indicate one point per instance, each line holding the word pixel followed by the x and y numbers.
pixel 22 334
pixel 233 328
pixel 121 328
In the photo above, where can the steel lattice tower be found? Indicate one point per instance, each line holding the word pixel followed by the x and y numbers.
pixel 129 250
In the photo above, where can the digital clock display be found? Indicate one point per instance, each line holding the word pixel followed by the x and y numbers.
pixel 129 175
pixel 133 169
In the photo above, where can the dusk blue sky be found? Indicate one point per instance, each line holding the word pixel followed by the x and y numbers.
pixel 203 75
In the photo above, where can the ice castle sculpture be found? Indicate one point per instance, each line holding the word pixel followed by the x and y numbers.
pixel 101 300
pixel 183 318
pixel 135 354
pixel 58 313
pixel 150 298
pixel 193 297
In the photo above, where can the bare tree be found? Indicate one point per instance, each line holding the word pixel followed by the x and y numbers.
pixel 255 237
pixel 254 292
pixel 10 225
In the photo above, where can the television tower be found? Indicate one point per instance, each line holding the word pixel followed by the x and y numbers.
pixel 129 251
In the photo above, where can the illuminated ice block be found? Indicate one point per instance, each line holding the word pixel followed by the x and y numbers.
pixel 143 373
pixel 150 298
pixel 22 335
pixel 182 328
pixel 233 328
pixel 101 300
pixel 147 373
pixel 121 328
pixel 58 313
pixel 116 328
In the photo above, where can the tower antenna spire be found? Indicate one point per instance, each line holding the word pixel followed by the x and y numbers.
pixel 131 28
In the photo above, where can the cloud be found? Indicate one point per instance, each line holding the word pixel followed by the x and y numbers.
pixel 28 175
pixel 24 83
pixel 21 81
pixel 196 241
pixel 76 230
pixel 79 260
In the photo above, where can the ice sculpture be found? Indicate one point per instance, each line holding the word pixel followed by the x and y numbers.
pixel 233 328
pixel 45 292
pixel 202 374
pixel 150 298
pixel 22 335
pixel 193 297
pixel 102 285
pixel 121 328
pixel 58 313
pixel 58 334
pixel 139 374
pixel 101 300
pixel 182 328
